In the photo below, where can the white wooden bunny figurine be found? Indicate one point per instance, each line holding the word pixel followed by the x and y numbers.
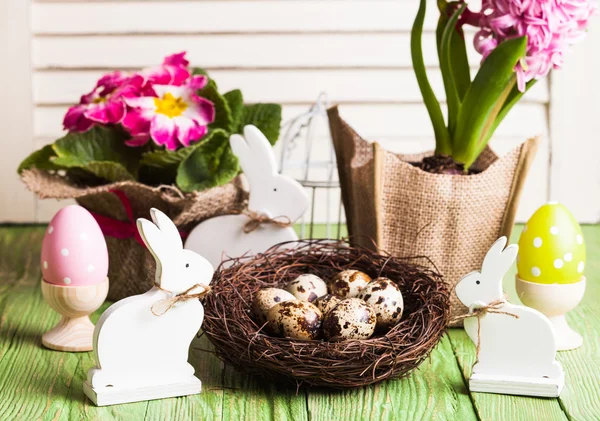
pixel 516 346
pixel 141 343
pixel 271 195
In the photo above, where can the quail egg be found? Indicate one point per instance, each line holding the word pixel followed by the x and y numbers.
pixel 307 287
pixel 326 303
pixel 385 298
pixel 352 318
pixel 267 298
pixel 348 283
pixel 295 319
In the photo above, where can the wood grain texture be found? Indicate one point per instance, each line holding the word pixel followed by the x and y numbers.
pixel 310 50
pixel 122 17
pixel 294 86
pixel 436 391
pixel 582 366
pixel 16 108
pixel 249 398
pixel 574 124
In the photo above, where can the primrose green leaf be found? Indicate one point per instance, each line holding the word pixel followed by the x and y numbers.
pixel 41 159
pixel 235 100
pixel 442 137
pixel 266 117
pixel 211 163
pixel 223 117
pixel 106 170
pixel 99 144
pixel 485 98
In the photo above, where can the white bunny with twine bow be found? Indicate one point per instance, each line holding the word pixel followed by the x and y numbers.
pixel 515 345
pixel 141 343
pixel 276 202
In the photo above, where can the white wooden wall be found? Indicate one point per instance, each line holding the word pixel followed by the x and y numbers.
pixel 285 51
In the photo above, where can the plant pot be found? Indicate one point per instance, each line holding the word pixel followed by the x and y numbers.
pixel 554 300
pixel 117 206
pixel 449 220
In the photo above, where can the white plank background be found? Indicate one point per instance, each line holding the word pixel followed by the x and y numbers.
pixel 285 51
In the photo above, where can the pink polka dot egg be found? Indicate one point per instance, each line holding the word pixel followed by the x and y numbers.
pixel 74 252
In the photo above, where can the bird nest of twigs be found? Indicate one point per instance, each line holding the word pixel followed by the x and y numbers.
pixel 244 344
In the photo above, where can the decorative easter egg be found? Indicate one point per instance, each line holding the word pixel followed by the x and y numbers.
pixel 350 319
pixel 73 250
pixel 295 319
pixel 385 298
pixel 326 303
pixel 348 283
pixel 267 298
pixel 551 247
pixel 307 287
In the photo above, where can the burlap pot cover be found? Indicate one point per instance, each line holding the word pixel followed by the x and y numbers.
pixel 449 220
pixel 131 267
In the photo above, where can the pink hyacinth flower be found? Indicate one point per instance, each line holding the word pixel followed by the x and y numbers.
pixel 105 104
pixel 551 27
pixel 173 71
pixel 175 116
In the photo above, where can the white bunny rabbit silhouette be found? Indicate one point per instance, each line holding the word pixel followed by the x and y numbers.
pixel 522 345
pixel 271 194
pixel 134 347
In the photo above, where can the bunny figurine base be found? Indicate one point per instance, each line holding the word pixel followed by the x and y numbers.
pixel 141 343
pixel 516 344
pixel 272 195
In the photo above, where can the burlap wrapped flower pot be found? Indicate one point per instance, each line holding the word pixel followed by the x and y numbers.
pixel 116 207
pixel 450 220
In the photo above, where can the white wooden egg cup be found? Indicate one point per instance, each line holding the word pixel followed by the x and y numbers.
pixel 554 300
pixel 517 348
pixel 74 332
pixel 142 354
pixel 271 194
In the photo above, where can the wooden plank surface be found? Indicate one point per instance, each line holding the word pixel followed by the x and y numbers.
pixel 16 109
pixel 293 86
pixel 575 125
pixel 122 17
pixel 36 383
pixel 310 50
pixel 436 391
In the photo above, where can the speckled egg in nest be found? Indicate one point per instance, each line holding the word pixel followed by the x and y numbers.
pixel 250 347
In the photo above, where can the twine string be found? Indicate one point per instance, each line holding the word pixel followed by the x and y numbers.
pixel 256 219
pixel 161 307
pixel 479 312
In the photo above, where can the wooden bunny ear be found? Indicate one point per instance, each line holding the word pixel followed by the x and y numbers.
pixel 499 260
pixel 168 228
pixel 264 159
pixel 153 238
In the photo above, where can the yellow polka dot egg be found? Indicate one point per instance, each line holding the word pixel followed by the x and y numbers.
pixel 551 247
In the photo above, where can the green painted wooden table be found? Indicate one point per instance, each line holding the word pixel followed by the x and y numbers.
pixel 36 383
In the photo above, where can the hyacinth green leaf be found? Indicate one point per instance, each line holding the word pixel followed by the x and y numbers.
pixel 266 117
pixel 93 150
pixel 210 164
pixel 445 53
pixel 235 100
pixel 484 100
pixel 41 159
pixel 442 137
pixel 513 98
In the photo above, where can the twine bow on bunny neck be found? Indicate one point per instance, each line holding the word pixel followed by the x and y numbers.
pixel 491 308
pixel 161 307
pixel 256 219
